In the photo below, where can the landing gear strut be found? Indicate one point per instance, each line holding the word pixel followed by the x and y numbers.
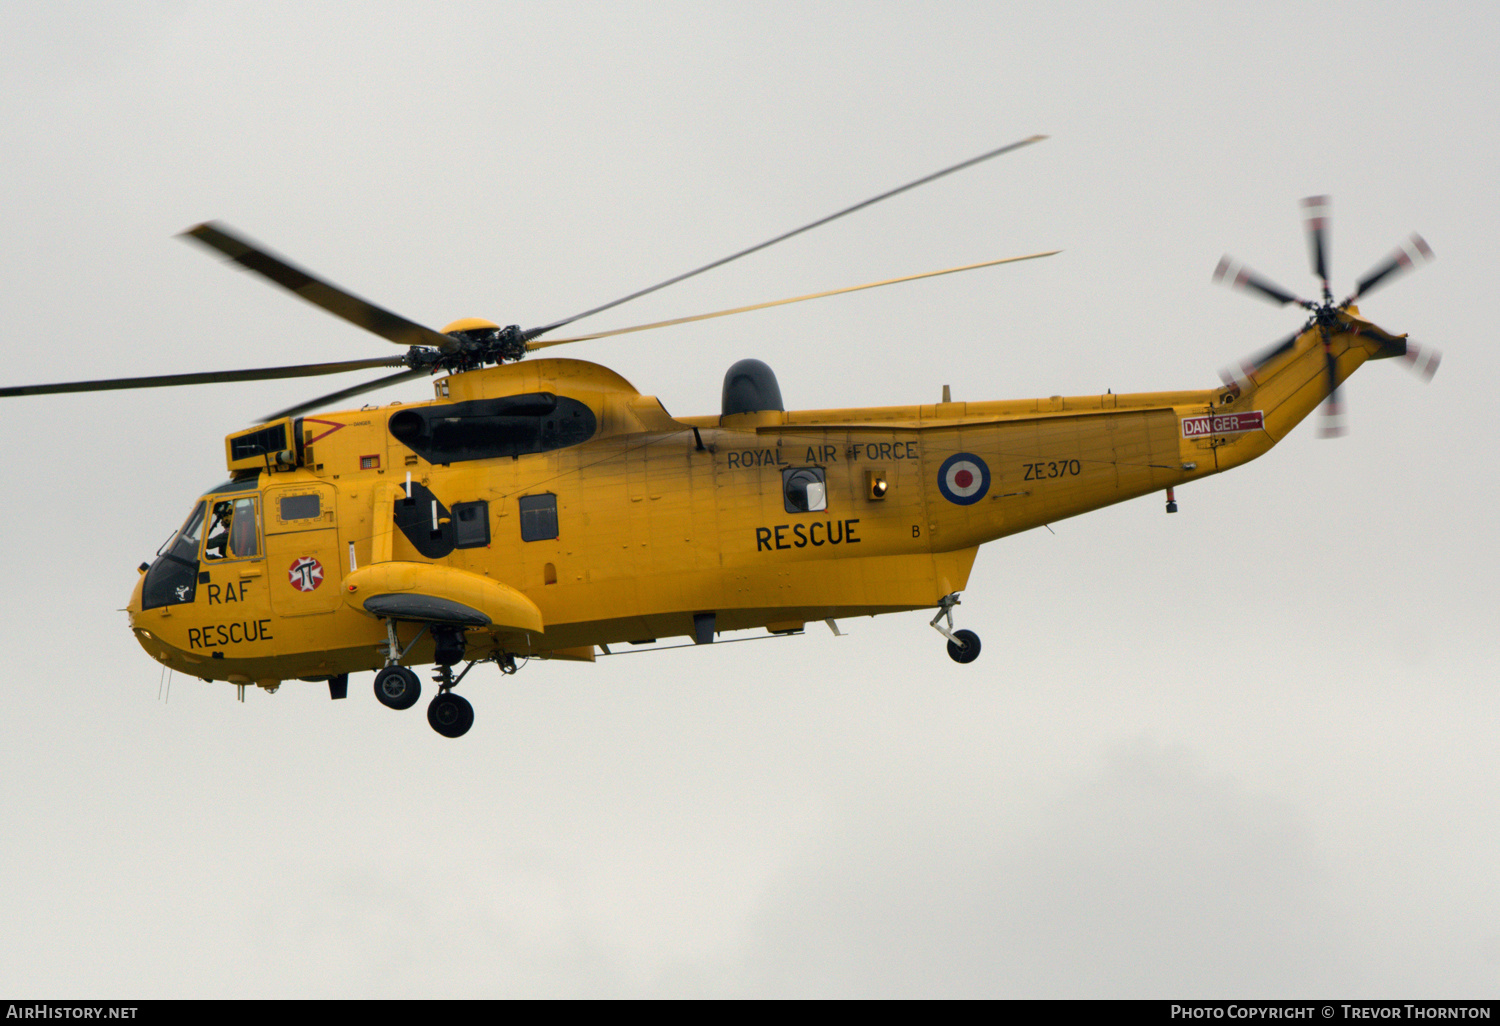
pixel 963 646
pixel 395 686
pixel 449 714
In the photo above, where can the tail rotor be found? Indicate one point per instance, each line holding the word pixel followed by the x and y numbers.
pixel 1412 253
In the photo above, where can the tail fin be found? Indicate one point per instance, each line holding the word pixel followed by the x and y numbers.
pixel 1288 381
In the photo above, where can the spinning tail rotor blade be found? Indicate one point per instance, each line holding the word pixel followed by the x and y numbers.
pixel 1315 211
pixel 1412 253
pixel 1333 424
pixel 1422 360
pixel 1247 368
pixel 1237 276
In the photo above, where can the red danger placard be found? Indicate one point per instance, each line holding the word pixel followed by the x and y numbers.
pixel 1222 424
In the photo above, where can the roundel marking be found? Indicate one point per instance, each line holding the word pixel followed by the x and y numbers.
pixel 306 574
pixel 963 479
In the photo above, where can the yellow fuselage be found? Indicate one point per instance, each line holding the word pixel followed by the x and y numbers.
pixel 658 519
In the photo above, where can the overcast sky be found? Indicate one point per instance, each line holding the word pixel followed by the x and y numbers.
pixel 1248 749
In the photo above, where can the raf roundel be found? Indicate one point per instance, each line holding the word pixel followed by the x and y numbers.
pixel 963 479
pixel 306 574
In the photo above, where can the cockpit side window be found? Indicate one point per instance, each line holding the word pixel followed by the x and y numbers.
pixel 244 535
pixel 220 527
pixel 173 578
pixel 184 544
pixel 234 531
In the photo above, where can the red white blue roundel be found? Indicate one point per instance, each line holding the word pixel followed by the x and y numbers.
pixel 963 479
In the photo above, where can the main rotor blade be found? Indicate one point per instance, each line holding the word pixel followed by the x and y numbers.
pixel 1409 254
pixel 333 397
pixel 1238 276
pixel 536 332
pixel 207 378
pixel 1315 210
pixel 784 302
pixel 359 312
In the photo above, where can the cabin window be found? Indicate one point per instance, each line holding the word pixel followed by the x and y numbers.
pixel 538 517
pixel 804 490
pixel 301 507
pixel 472 522
pixel 234 530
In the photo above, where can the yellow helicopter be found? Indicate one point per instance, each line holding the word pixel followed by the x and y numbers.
pixel 546 509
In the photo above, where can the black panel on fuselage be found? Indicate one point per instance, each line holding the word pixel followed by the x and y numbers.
pixel 481 429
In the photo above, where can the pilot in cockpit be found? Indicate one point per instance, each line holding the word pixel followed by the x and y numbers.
pixel 217 546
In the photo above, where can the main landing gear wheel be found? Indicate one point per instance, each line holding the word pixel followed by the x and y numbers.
pixel 964 648
pixel 397 687
pixel 450 715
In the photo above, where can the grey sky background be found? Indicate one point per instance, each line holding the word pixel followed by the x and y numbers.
pixel 1245 750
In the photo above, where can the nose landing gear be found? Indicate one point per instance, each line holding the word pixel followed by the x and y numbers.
pixel 963 646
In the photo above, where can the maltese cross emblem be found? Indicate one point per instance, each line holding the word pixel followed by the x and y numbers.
pixel 306 574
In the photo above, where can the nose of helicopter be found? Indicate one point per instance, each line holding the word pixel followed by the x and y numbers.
pixel 133 612
pixel 141 625
pixel 133 607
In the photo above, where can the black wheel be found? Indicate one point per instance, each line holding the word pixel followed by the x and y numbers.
pixel 450 715
pixel 964 648
pixel 397 687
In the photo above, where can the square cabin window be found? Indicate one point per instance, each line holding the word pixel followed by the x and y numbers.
pixel 301 507
pixel 538 517
pixel 471 521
